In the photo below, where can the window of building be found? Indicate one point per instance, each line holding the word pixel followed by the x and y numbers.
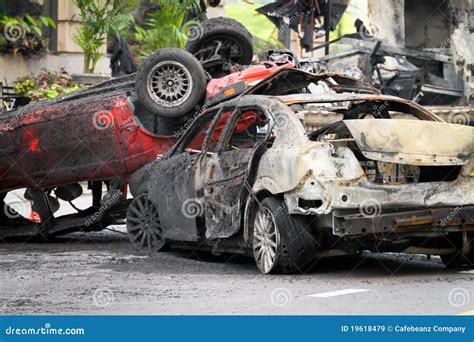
pixel 19 8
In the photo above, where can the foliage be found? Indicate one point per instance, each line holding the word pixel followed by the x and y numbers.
pixel 100 18
pixel 165 27
pixel 258 24
pixel 46 85
pixel 25 35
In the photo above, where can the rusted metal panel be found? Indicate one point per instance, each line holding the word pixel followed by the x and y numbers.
pixel 405 221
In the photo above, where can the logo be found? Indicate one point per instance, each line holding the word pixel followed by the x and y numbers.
pixel 14 31
pixel 192 208
pixel 103 120
pixel 281 297
pixel 370 208
pixel 103 297
pixel 196 32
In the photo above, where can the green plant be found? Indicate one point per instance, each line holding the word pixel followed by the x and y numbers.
pixel 264 31
pixel 46 85
pixel 99 18
pixel 24 35
pixel 165 27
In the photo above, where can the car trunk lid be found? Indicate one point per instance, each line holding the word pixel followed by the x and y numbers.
pixel 413 142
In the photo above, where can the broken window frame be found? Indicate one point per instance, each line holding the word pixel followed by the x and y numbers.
pixel 232 126
pixel 232 123
pixel 212 116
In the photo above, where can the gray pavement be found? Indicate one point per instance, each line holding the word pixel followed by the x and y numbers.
pixel 101 273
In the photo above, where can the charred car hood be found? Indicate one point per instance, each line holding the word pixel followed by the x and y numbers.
pixel 413 142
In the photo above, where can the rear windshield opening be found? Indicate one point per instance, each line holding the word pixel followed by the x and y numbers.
pixel 320 115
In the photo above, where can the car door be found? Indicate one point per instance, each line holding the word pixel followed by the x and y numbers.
pixel 227 169
pixel 172 187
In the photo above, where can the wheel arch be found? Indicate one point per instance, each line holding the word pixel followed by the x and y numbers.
pixel 250 209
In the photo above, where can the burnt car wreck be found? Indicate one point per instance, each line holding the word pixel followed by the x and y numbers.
pixel 389 175
pixel 102 134
pixel 268 160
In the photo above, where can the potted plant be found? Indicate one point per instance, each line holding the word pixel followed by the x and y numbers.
pixel 24 35
pixel 98 19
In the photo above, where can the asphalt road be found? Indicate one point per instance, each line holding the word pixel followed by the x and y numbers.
pixel 101 273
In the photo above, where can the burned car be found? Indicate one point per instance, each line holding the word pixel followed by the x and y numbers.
pixel 388 176
pixel 102 134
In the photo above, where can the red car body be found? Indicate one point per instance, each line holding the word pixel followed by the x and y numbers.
pixel 48 147
pixel 89 138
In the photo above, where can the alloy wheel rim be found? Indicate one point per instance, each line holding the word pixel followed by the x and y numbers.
pixel 143 224
pixel 169 84
pixel 266 239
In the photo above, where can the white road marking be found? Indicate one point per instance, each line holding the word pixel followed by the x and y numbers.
pixel 468 271
pixel 337 293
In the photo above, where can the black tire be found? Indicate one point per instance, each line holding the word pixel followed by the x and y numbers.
pixel 170 83
pixel 295 246
pixel 465 254
pixel 143 224
pixel 457 260
pixel 228 31
pixel 451 260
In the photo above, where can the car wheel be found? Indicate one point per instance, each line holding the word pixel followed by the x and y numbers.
pixel 281 243
pixel 143 224
pixel 457 260
pixel 451 260
pixel 222 37
pixel 170 83
pixel 465 255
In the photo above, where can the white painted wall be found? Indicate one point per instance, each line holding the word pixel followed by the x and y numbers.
pixel 12 67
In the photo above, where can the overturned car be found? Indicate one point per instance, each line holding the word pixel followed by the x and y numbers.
pixel 388 175
pixel 102 134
